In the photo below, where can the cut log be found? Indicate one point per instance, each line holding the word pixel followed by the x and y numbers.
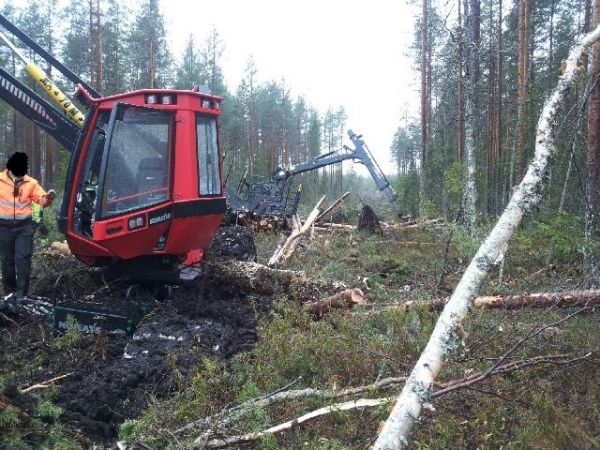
pixel 342 300
pixel 535 300
pixel 539 300
pixel 411 224
pixel 61 247
pixel 331 208
pixel 287 249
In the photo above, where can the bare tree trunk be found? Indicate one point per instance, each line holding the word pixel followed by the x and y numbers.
pixel 460 122
pixel 593 153
pixel 90 42
pixel 500 158
pixel 573 146
pixel 523 88
pixel 152 65
pixel 470 189
pixel 491 119
pixel 551 47
pixel 424 98
pixel 587 27
pixel 99 50
pixel 446 336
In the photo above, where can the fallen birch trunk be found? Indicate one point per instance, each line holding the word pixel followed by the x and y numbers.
pixel 446 336
pixel 287 249
pixel 342 300
pixel 331 208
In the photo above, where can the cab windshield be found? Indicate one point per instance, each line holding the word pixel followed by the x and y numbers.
pixel 138 167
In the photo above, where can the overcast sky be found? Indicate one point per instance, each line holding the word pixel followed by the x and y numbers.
pixel 349 53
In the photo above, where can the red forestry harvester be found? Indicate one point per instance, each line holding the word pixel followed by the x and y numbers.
pixel 144 192
pixel 144 189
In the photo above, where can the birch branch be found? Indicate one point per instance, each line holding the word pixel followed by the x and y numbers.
pixel 204 441
pixel 478 377
pixel 445 338
pixel 225 417
pixel 45 384
pixel 253 437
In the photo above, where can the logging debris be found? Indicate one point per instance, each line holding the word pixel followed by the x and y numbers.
pixel 331 209
pixel 285 251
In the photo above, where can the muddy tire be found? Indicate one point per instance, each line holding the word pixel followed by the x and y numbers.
pixel 233 242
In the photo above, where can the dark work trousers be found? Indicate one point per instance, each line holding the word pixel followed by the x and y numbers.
pixel 16 246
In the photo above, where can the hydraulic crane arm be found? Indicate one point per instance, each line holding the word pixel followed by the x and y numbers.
pixel 270 198
pixel 30 43
pixel 62 125
pixel 38 109
pixel 359 153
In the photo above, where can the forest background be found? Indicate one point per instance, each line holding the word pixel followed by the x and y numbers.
pixel 485 69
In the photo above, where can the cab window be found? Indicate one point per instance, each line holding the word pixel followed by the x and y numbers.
pixel 208 155
pixel 138 167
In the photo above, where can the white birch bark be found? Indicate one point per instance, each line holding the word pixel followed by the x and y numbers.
pixel 446 336
pixel 471 113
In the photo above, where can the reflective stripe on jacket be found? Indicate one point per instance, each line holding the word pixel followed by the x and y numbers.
pixel 15 210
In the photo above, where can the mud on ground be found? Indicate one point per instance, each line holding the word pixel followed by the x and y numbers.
pixel 104 388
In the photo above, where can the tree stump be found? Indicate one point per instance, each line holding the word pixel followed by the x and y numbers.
pixel 368 221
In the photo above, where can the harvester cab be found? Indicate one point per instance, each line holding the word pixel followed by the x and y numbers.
pixel 144 184
pixel 144 190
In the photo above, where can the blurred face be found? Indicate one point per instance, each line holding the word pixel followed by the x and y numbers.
pixel 20 170
pixel 17 164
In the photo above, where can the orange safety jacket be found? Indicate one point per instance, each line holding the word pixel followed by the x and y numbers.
pixel 17 209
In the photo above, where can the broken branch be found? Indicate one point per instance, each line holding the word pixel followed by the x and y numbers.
pixel 45 384
pixel 287 249
pixel 290 424
pixel 331 208
pixel 228 416
pixel 223 418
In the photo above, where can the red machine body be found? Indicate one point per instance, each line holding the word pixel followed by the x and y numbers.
pixel 145 182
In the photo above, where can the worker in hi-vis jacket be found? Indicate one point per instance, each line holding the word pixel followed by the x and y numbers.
pixel 17 192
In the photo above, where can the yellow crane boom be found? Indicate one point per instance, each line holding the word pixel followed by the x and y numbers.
pixel 47 84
